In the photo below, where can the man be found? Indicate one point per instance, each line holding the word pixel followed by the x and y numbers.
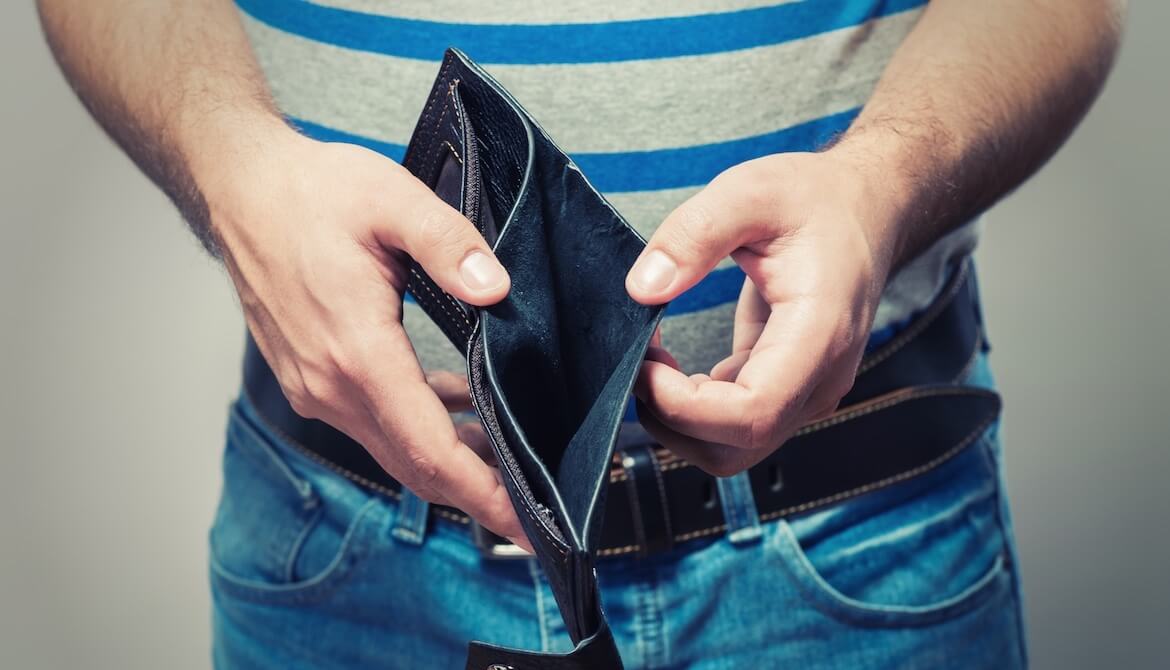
pixel 697 119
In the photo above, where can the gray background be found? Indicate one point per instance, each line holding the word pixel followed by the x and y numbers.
pixel 120 343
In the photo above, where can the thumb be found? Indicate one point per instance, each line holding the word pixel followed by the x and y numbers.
pixel 446 245
pixel 689 243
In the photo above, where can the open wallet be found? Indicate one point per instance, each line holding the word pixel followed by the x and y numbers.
pixel 551 366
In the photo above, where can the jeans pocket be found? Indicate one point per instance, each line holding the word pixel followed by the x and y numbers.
pixel 279 535
pixel 917 553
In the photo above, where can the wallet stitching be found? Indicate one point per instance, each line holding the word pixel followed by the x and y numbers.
pixel 433 134
pixel 435 96
pixel 430 135
pixel 439 303
pixel 554 542
pixel 433 130
pixel 458 158
pixel 434 156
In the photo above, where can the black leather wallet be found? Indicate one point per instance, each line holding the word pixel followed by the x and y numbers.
pixel 551 366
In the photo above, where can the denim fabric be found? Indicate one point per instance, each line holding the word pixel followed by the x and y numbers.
pixel 308 570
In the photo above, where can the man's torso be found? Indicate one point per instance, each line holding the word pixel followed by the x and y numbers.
pixel 651 99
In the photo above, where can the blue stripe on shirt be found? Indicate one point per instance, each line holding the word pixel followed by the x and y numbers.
pixel 658 169
pixel 570 42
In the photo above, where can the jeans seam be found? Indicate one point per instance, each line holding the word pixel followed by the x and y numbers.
pixel 349 553
pixel 294 553
pixel 825 597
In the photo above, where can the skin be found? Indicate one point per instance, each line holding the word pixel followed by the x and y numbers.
pixel 976 99
pixel 314 235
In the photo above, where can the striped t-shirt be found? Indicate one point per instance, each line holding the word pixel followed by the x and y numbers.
pixel 651 99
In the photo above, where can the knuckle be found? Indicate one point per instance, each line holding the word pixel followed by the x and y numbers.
pixel 437 231
pixel 348 366
pixel 318 385
pixel 425 470
pixel 763 428
pixel 300 396
pixel 668 413
pixel 300 401
pixel 313 389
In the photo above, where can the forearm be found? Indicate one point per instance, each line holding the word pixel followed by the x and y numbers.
pixel 975 100
pixel 173 82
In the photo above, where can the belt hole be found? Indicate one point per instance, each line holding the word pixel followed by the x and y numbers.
pixel 709 500
pixel 775 482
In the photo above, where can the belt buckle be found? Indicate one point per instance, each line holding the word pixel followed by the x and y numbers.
pixel 494 547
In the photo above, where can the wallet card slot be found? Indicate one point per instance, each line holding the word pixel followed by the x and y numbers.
pixel 455 180
pixel 485 406
pixel 454 174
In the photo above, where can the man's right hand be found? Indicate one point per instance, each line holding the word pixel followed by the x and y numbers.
pixel 315 237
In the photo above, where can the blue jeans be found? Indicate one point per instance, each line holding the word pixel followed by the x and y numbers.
pixel 309 570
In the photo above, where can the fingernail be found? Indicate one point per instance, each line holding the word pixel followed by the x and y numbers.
pixel 519 544
pixel 481 272
pixel 654 272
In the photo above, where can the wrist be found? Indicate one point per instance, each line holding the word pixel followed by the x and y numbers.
pixel 900 171
pixel 228 156
pixel 223 148
pixel 877 198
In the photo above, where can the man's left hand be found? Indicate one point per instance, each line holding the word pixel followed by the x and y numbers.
pixel 817 244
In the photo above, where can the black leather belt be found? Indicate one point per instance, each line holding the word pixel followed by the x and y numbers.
pixel 551 366
pixel 899 420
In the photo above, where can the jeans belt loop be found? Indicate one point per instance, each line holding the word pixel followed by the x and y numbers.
pixel 739 508
pixel 411 525
pixel 646 489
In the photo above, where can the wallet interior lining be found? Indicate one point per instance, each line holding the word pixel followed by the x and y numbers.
pixel 562 349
